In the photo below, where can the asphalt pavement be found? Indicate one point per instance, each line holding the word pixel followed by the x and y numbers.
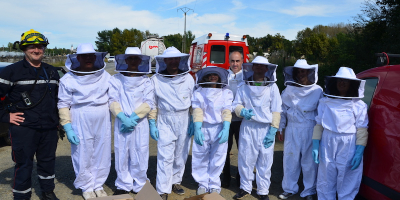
pixel 65 174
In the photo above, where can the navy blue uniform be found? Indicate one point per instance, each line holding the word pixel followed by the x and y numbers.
pixel 38 133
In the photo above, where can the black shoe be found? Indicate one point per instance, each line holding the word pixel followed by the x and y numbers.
pixel 226 181
pixel 241 194
pixel 118 192
pixel 264 197
pixel 49 196
pixel 178 189
pixel 309 197
pixel 285 195
pixel 164 196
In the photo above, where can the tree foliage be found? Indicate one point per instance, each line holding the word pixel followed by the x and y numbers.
pixel 177 39
pixel 115 41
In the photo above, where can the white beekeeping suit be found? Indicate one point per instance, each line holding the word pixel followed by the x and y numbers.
pixel 173 94
pixel 212 114
pixel 299 108
pixel 259 102
pixel 340 136
pixel 84 112
pixel 133 93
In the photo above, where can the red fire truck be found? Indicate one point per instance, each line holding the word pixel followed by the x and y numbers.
pixel 214 49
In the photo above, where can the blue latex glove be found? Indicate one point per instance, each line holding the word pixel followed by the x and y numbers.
pixel 315 149
pixel 357 157
pixel 127 123
pixel 191 127
pixel 224 134
pixel 198 135
pixel 270 137
pixel 247 114
pixel 134 118
pixel 125 129
pixel 153 129
pixel 72 138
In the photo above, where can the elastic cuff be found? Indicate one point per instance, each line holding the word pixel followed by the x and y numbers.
pixel 198 115
pixel 276 118
pixel 238 109
pixel 362 136
pixel 226 115
pixel 115 108
pixel 142 110
pixel 65 116
pixel 152 114
pixel 317 133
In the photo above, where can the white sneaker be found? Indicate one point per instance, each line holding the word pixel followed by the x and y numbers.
pixel 214 190
pixel 89 195
pixel 101 193
pixel 201 190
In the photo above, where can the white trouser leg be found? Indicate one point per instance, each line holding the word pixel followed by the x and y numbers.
pixel 92 157
pixel 201 159
pixel 291 161
pixel 250 144
pixel 139 154
pixel 308 166
pixel 124 179
pixel 334 172
pixel 217 160
pixel 131 156
pixel 297 148
pixel 173 149
pixel 264 162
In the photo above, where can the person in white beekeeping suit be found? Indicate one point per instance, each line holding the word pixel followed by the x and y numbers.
pixel 134 94
pixel 84 113
pixel 212 114
pixel 173 88
pixel 340 136
pixel 259 102
pixel 299 108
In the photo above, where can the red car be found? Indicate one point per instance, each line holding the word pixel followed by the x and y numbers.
pixel 381 176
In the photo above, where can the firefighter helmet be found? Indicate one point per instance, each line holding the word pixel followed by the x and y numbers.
pixel 31 37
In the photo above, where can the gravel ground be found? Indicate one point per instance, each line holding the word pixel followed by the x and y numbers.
pixel 65 174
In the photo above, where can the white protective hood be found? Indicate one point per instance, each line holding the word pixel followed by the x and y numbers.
pixel 85 48
pixel 222 73
pixel 301 64
pixel 143 68
pixel 270 75
pixel 172 52
pixel 356 89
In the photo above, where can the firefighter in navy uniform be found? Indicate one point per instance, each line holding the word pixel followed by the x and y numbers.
pixel 31 87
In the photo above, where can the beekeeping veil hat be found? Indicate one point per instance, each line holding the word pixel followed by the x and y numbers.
pixel 269 76
pixel 72 63
pixel 172 52
pixel 222 74
pixel 290 73
pixel 356 86
pixel 144 66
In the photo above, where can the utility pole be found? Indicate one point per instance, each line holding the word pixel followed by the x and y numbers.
pixel 184 10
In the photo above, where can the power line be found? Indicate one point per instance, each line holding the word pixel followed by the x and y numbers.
pixel 184 10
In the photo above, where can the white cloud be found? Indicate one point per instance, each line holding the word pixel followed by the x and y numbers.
pixel 77 21
pixel 310 10
pixel 180 3
pixel 238 5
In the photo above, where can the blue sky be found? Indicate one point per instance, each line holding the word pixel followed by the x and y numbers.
pixel 67 22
